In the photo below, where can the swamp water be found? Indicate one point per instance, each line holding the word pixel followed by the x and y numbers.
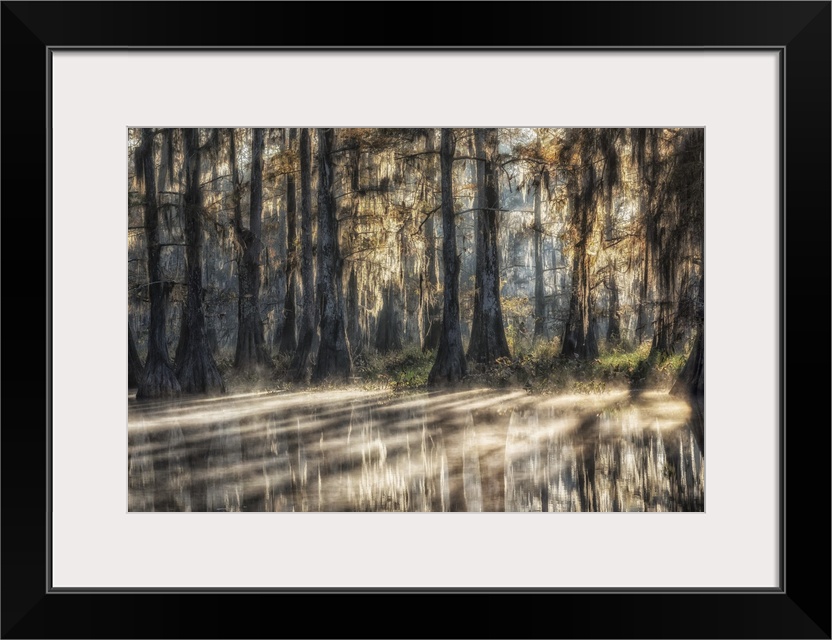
pixel 473 450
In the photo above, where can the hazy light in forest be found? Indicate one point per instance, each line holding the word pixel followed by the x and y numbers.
pixel 374 450
pixel 211 410
pixel 591 282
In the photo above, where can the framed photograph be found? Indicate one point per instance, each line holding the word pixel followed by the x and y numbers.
pixel 628 467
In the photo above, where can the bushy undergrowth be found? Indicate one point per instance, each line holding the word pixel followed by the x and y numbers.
pixel 538 368
pixel 396 370
pixel 638 368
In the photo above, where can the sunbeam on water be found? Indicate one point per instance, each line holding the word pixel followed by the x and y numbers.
pixel 377 451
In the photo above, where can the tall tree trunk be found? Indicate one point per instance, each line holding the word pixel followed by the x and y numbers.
pixel 665 272
pixel 334 358
pixel 539 299
pixel 430 315
pixel 196 371
pixel 354 332
pixel 251 347
pixel 300 363
pixel 388 336
pixel 431 311
pixel 288 340
pixel 579 338
pixel 691 380
pixel 652 239
pixel 450 365
pixel 641 312
pixel 479 249
pixel 680 225
pixel 559 268
pixel 614 313
pixel 135 368
pixel 488 336
pixel 662 344
pixel 642 139
pixel 159 379
pixel 277 281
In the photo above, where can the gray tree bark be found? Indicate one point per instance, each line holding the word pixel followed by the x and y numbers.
pixel 691 380
pixel 288 338
pixel 488 337
pixel 431 313
pixel 135 368
pixel 450 365
pixel 251 351
pixel 301 361
pixel 334 358
pixel 159 379
pixel 196 370
pixel 614 310
pixel 579 339
pixel 354 332
pixel 388 335
pixel 539 291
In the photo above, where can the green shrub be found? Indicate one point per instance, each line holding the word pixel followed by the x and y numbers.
pixel 406 369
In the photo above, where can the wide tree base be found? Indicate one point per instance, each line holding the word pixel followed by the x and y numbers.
pixel 158 382
pixel 691 380
pixel 288 341
pixel 691 385
pixel 258 361
pixel 576 346
pixel 332 363
pixel 488 339
pixel 487 351
pixel 300 369
pixel 198 374
pixel 449 368
pixel 433 331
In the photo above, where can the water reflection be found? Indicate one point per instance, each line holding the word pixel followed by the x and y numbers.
pixel 471 450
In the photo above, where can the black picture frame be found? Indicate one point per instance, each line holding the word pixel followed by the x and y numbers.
pixel 800 608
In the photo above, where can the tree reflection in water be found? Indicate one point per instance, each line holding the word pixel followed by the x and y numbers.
pixel 473 450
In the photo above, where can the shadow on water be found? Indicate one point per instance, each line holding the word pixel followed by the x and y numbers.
pixel 474 450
